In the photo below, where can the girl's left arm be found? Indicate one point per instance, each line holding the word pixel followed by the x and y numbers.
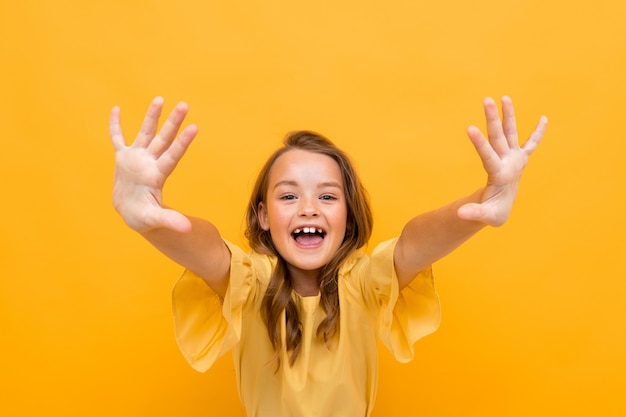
pixel 430 236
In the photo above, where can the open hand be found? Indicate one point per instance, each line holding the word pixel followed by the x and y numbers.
pixel 142 168
pixel 504 161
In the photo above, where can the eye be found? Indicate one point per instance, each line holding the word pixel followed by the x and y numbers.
pixel 328 197
pixel 288 197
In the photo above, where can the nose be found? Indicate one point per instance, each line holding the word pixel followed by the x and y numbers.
pixel 308 208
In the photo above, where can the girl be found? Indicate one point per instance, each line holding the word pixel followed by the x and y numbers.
pixel 303 311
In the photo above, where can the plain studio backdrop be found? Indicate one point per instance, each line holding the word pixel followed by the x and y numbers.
pixel 534 317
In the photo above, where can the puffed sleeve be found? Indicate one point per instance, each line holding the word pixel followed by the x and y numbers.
pixel 406 315
pixel 205 326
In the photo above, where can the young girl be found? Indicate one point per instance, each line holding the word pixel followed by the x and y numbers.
pixel 303 311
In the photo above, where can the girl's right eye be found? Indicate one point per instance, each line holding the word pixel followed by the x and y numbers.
pixel 288 197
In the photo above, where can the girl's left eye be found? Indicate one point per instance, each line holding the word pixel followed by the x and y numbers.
pixel 327 197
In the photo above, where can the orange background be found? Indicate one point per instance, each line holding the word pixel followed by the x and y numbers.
pixel 534 314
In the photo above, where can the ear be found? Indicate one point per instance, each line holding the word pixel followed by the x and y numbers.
pixel 262 217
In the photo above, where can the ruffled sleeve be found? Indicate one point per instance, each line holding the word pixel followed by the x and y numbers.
pixel 406 315
pixel 206 327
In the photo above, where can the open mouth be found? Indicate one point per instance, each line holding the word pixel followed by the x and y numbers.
pixel 308 236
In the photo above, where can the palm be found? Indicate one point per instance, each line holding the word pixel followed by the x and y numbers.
pixel 504 161
pixel 142 168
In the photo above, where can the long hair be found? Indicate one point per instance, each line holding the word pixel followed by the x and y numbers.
pixel 278 296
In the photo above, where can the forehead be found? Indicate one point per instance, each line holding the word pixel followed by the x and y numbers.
pixel 305 167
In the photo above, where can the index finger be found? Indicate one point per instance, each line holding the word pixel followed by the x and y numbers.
pixel 115 129
pixel 534 139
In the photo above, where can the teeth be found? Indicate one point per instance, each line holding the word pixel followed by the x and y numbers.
pixel 308 230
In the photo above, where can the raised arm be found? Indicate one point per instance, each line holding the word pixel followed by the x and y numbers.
pixel 141 170
pixel 430 236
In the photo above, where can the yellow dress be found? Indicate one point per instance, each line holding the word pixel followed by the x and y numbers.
pixel 340 381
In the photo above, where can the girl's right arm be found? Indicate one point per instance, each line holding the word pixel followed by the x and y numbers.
pixel 141 170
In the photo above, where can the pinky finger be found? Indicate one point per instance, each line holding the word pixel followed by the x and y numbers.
pixel 115 129
pixel 534 139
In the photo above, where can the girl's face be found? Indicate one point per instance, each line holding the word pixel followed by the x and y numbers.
pixel 305 209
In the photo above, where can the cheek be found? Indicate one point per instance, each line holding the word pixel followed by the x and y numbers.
pixel 342 215
pixel 277 218
pixel 340 218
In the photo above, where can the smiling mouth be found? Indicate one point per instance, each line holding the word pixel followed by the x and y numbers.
pixel 308 236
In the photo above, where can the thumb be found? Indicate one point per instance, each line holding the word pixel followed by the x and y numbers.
pixel 472 212
pixel 172 219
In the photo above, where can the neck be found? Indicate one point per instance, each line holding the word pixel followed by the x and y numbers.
pixel 305 283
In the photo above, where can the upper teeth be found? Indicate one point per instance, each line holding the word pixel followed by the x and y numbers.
pixel 308 230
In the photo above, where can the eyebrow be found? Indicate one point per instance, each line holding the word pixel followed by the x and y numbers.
pixel 320 185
